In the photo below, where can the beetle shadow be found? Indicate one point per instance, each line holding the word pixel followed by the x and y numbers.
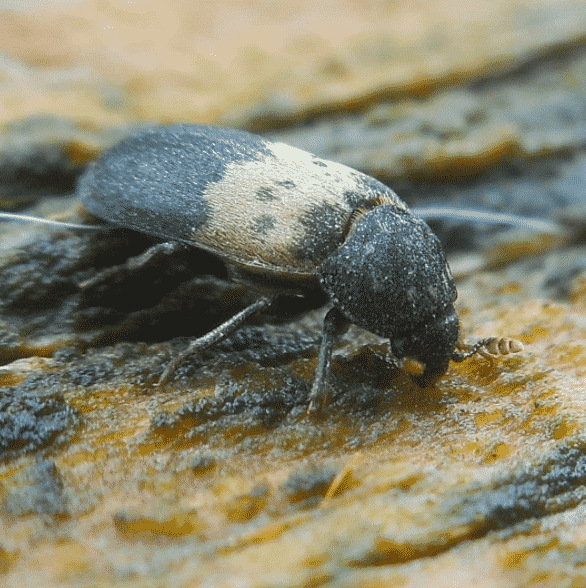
pixel 364 380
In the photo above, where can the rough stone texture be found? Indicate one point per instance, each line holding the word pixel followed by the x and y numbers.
pixel 262 62
pixel 219 478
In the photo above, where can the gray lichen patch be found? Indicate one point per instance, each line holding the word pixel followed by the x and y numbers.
pixel 33 420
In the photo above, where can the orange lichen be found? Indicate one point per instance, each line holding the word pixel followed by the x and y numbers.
pixel 483 419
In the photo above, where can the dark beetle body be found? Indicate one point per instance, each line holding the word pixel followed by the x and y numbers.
pixel 289 222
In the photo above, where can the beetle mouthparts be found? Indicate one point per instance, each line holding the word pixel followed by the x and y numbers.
pixel 412 366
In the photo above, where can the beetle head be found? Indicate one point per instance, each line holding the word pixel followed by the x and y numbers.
pixel 390 276
pixel 425 352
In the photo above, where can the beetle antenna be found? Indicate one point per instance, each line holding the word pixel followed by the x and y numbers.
pixel 25 218
pixel 490 348
pixel 487 217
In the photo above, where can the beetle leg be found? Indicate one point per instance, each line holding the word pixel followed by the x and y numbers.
pixel 133 263
pixel 335 325
pixel 221 332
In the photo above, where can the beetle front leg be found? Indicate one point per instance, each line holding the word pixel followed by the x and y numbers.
pixel 335 325
pixel 216 335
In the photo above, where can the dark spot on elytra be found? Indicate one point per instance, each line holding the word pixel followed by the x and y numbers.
pixel 364 200
pixel 368 193
pixel 265 194
pixel 320 163
pixel 355 199
pixel 263 224
pixel 325 228
pixel 287 184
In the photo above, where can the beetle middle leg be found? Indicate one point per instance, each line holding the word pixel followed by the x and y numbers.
pixel 335 325
pixel 133 263
pixel 221 332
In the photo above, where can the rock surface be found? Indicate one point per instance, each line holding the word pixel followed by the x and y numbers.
pixel 219 478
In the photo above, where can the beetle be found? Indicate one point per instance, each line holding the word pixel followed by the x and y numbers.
pixel 288 223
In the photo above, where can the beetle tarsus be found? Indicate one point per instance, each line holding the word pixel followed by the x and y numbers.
pixel 335 325
pixel 214 336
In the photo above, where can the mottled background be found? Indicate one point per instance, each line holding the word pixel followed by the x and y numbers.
pixel 219 478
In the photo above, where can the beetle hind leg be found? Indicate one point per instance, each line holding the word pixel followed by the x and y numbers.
pixel 214 336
